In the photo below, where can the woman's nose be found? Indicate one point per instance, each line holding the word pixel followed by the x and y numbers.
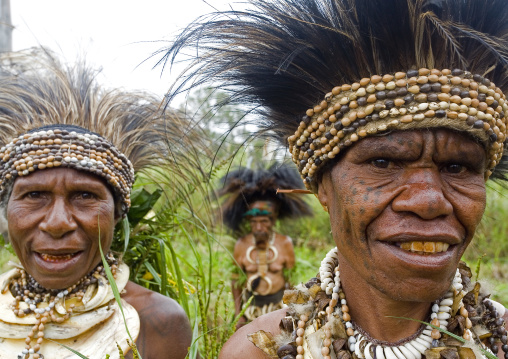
pixel 423 195
pixel 58 220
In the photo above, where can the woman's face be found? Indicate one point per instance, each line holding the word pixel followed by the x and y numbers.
pixel 55 218
pixel 403 208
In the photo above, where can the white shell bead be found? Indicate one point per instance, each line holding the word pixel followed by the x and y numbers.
pixel 444 308
pixel 426 344
pixel 424 339
pixel 443 315
pixel 447 302
pixel 398 353
pixel 379 352
pixel 413 350
pixel 389 354
pixel 366 351
pixel 418 346
pixel 406 352
pixel 358 352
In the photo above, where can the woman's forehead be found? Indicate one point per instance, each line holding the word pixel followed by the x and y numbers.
pixel 57 176
pixel 441 139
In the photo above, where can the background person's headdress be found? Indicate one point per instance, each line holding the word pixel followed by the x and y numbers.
pixel 392 64
pixel 243 187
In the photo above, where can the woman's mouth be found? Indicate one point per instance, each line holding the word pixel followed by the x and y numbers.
pixel 425 248
pixel 55 258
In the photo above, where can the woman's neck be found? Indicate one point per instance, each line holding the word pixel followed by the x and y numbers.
pixel 373 310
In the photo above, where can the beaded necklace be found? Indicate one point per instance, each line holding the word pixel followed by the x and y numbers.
pixel 359 344
pixel 49 305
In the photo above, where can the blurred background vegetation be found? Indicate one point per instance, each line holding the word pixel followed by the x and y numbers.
pixel 175 243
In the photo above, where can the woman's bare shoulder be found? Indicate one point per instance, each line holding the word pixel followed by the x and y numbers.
pixel 163 323
pixel 239 346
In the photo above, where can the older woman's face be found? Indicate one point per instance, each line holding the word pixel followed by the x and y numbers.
pixel 54 218
pixel 404 207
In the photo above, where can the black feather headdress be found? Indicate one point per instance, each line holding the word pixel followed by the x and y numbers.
pixel 242 187
pixel 282 56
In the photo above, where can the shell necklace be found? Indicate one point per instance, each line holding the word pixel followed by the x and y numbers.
pixel 359 342
pixel 262 262
pixel 49 305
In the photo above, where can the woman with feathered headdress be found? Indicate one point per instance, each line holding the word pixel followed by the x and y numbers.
pixel 395 114
pixel 69 153
pixel 252 196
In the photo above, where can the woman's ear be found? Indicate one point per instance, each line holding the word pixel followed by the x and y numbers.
pixel 322 194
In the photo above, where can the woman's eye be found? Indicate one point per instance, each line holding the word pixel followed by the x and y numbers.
pixel 86 195
pixel 381 163
pixel 454 168
pixel 33 195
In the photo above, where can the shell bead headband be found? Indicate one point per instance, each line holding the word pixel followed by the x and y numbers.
pixel 62 148
pixel 414 99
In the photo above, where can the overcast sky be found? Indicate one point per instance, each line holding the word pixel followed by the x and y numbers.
pixel 117 35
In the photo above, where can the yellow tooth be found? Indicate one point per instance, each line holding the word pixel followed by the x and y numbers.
pixel 417 246
pixel 429 247
pixel 406 246
pixel 425 247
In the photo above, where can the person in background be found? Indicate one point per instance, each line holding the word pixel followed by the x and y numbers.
pixel 262 254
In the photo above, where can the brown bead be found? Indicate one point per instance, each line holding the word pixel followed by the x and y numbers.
pixel 406 119
pixel 414 89
pixel 387 78
pixel 452 114
pixel 423 71
pixel 365 81
pixel 456 80
pixel 422 80
pixel 375 79
pixel 398 102
pixel 433 78
pixel 435 334
pixel 455 99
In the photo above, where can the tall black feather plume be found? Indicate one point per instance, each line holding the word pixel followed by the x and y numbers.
pixel 242 187
pixel 282 56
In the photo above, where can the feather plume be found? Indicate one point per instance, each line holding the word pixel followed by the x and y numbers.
pixel 282 56
pixel 36 91
pixel 242 187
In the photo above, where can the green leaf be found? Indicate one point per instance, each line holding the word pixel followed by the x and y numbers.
pixel 70 349
pixel 112 283
pixel 142 202
pixel 126 228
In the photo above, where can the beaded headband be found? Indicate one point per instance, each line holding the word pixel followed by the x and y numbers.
pixel 261 208
pixel 414 99
pixel 66 146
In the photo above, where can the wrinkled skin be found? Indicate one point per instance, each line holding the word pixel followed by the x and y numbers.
pixel 53 222
pixel 404 186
